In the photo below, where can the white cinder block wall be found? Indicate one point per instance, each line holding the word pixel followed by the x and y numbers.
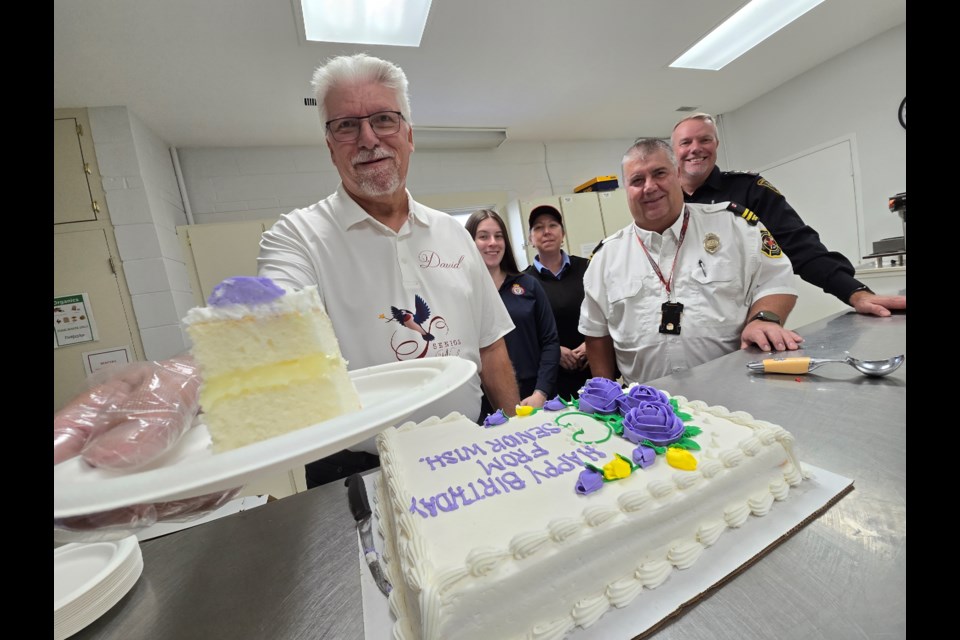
pixel 226 185
pixel 145 208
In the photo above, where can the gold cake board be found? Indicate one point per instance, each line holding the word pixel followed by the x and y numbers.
pixel 653 609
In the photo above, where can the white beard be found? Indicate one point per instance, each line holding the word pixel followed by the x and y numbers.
pixel 384 181
pixel 379 184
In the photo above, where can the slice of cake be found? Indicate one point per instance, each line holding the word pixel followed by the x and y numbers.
pixel 269 362
pixel 538 524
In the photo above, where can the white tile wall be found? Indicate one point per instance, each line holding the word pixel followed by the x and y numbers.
pixel 147 276
pixel 128 206
pixel 110 124
pixel 155 309
pixel 145 207
pixel 137 241
pixel 164 342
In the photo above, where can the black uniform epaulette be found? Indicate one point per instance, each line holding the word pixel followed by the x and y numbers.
pixel 595 249
pixel 739 173
pixel 744 213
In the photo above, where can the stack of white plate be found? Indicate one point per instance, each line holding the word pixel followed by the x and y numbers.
pixel 89 578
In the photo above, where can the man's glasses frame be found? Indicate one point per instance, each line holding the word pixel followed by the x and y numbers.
pixel 383 123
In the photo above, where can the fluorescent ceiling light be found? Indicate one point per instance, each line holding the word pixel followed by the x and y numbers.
pixel 748 27
pixel 391 22
pixel 439 138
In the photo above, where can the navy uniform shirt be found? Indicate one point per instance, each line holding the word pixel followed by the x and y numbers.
pixel 566 295
pixel 533 345
pixel 812 261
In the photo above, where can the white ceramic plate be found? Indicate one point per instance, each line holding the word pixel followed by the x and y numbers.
pixel 389 393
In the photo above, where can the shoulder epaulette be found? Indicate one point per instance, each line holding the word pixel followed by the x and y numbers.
pixel 740 173
pixel 595 249
pixel 744 213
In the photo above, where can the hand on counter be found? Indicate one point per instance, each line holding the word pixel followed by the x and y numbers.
pixel 769 336
pixel 869 303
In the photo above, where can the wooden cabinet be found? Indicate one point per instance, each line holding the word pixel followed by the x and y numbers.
pixel 588 218
pixel 86 259
pixel 219 250
pixel 76 197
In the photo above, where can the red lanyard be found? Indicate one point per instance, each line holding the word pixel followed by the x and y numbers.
pixel 656 268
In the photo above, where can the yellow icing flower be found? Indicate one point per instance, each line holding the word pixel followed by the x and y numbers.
pixel 616 469
pixel 681 459
pixel 523 410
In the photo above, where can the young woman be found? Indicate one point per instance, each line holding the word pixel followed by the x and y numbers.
pixel 533 345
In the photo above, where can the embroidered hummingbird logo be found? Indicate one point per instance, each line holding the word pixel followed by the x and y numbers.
pixel 413 319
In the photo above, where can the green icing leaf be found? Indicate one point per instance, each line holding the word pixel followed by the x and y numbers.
pixel 660 450
pixel 683 416
pixel 691 431
pixel 593 468
pixel 673 403
pixel 686 443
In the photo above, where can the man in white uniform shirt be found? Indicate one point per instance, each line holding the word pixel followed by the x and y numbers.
pixel 685 283
pixel 399 280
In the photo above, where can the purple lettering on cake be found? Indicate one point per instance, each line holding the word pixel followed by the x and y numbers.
pixel 510 480
pixel 460 454
pixel 510 441
pixel 496 445
pixel 515 458
pixel 434 461
pixel 468 451
pixel 431 508
pixel 489 488
pixel 545 430
pixel 445 503
pixel 493 465
pixel 588 451
pixel 553 469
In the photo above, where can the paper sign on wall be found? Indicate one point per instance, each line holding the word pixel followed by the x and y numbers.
pixel 96 360
pixel 73 320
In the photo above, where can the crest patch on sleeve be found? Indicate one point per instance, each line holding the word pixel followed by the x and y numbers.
pixel 763 182
pixel 768 245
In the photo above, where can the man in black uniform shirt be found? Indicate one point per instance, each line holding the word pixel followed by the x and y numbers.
pixel 695 143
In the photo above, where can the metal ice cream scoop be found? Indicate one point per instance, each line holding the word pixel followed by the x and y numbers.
pixel 876 368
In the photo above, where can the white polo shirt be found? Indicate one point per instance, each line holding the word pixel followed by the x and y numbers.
pixel 362 268
pixel 623 295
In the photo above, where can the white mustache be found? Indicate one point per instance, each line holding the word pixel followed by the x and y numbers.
pixel 370 156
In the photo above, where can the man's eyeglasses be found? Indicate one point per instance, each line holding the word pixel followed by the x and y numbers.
pixel 383 123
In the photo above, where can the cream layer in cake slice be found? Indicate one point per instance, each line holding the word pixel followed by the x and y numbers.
pixel 486 536
pixel 269 362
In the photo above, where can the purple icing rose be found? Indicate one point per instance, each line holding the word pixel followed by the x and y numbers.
pixel 494 419
pixel 637 393
pixel 643 456
pixel 589 481
pixel 653 421
pixel 554 405
pixel 599 395
pixel 244 290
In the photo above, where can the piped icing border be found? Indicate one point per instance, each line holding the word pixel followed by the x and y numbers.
pixel 433 591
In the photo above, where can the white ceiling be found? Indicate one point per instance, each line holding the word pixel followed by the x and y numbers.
pixel 211 73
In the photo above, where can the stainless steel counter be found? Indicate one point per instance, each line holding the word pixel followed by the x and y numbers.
pixel 288 569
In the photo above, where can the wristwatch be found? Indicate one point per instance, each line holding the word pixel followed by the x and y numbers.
pixel 767 316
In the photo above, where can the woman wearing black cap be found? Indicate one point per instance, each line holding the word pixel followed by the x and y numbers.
pixel 561 276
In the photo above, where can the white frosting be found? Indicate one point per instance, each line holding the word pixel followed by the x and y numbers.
pixel 304 300
pixel 494 542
